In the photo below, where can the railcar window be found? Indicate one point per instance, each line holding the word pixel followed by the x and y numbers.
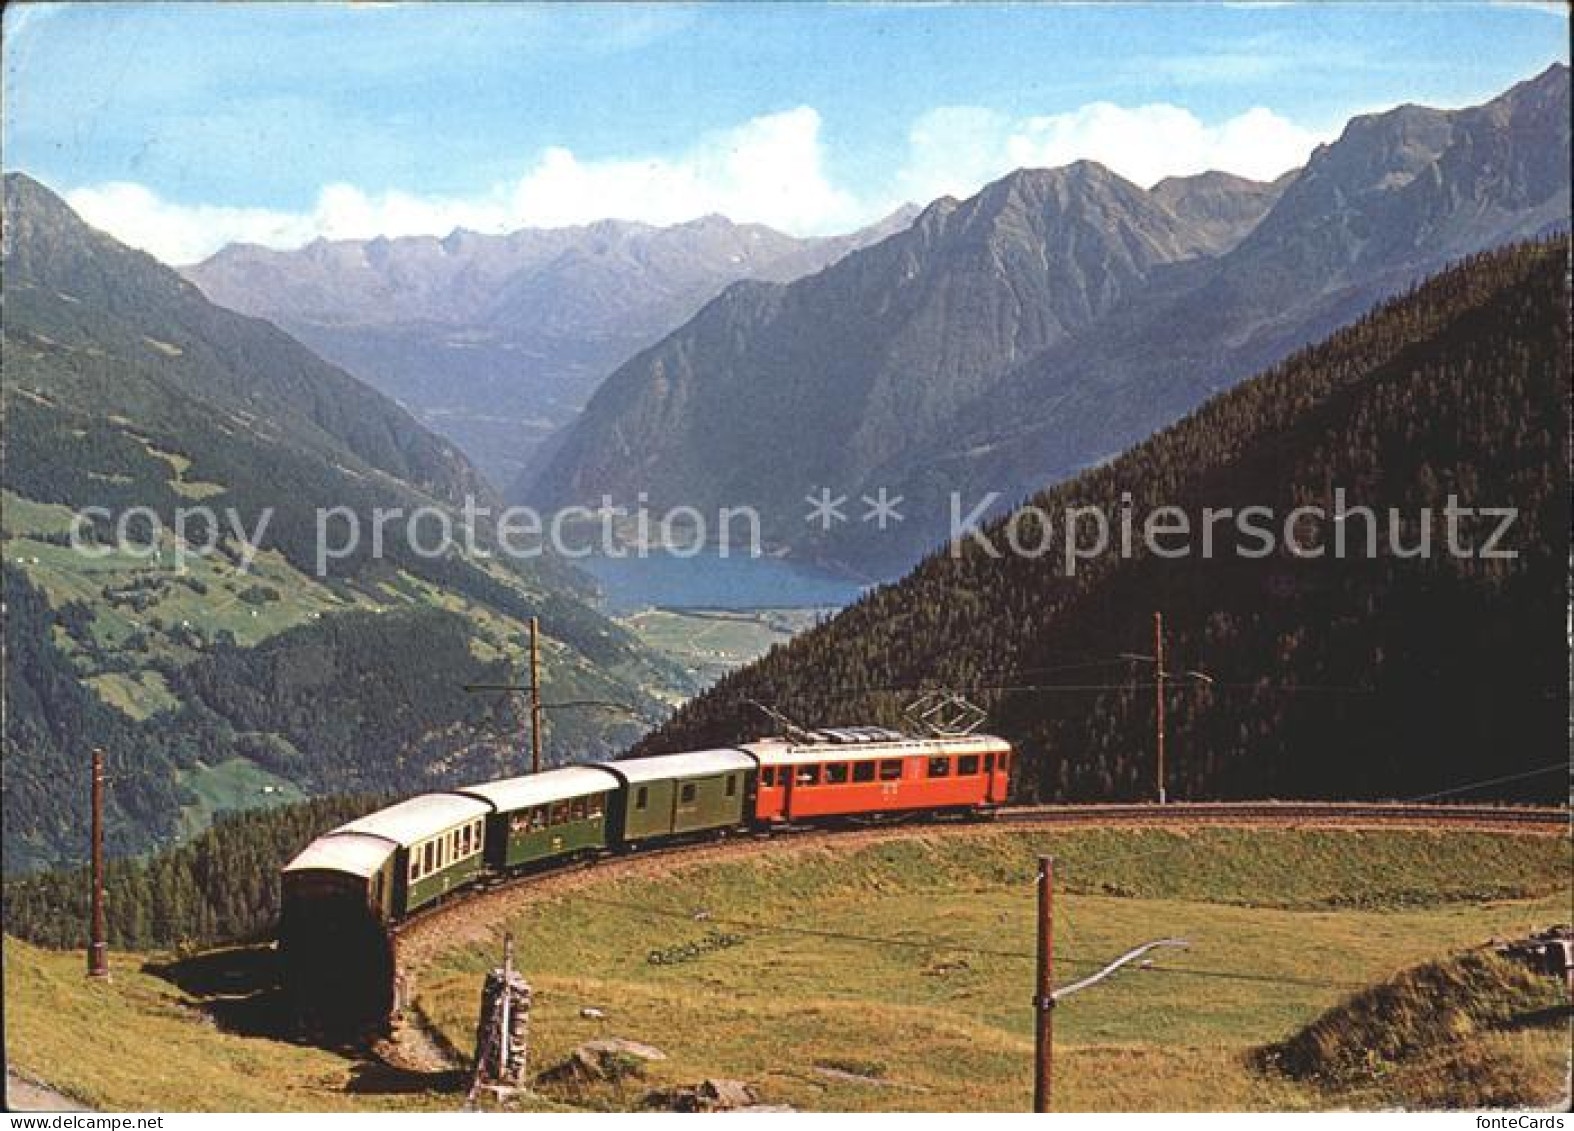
pixel 768 777
pixel 732 785
pixel 967 764
pixel 686 794
pixel 836 774
pixel 480 829
pixel 464 841
pixel 576 810
pixel 597 806
pixel 560 812
pixel 863 771
pixel 939 767
pixel 429 857
pixel 891 769
pixel 415 867
pixel 808 775
pixel 989 762
pixel 642 798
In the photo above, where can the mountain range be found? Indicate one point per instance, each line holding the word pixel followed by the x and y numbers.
pixel 1046 324
pixel 216 682
pixel 497 340
pixel 1378 672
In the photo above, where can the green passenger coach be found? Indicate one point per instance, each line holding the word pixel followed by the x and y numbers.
pixel 439 837
pixel 545 816
pixel 680 793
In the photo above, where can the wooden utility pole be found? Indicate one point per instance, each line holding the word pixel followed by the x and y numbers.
pixel 1044 999
pixel 98 949
pixel 535 696
pixel 1158 699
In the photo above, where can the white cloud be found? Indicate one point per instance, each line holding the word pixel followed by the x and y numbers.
pixel 1558 8
pixel 770 169
pixel 955 149
pixel 179 233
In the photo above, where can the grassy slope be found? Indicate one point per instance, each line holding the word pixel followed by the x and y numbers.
pixel 936 1025
pixel 1448 1029
pixel 946 1027
pixel 133 1044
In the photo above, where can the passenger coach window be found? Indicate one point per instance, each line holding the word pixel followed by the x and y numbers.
pixel 967 764
pixel 429 857
pixel 808 775
pixel 863 771
pixel 642 797
pixel 837 774
pixel 732 786
pixel 687 794
pixel 891 770
pixel 939 767
pixel 989 762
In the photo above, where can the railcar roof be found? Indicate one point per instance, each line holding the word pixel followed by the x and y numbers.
pixel 418 818
pixel 358 854
pixel 699 763
pixel 544 788
pixel 780 753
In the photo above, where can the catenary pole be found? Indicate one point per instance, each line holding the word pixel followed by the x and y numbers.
pixel 1044 1000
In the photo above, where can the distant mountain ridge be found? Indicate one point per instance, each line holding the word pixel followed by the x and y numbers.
pixel 495 340
pixel 1046 324
pixel 835 373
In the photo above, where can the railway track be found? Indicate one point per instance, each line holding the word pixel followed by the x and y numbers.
pixel 1407 814
pixel 417 934
pixel 472 913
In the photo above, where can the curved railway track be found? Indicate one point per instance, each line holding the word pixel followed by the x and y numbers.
pixel 470 912
pixel 1522 817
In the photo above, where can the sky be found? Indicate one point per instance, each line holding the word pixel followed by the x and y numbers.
pixel 181 127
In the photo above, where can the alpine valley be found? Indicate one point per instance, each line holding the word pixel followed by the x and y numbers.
pixel 219 683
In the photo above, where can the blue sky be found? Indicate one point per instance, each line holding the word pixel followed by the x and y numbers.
pixel 181 126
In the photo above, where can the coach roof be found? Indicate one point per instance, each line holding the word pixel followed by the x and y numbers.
pixel 543 789
pixel 701 763
pixel 358 854
pixel 418 818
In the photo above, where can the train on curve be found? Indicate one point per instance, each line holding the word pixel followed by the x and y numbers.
pixel 344 892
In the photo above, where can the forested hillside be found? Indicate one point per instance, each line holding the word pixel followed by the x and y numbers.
pixel 1356 677
pixel 244 675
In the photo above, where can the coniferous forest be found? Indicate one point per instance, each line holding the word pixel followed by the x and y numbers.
pixel 1362 677
pixel 222 885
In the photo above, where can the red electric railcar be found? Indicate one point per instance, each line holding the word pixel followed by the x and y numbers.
pixel 800 782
